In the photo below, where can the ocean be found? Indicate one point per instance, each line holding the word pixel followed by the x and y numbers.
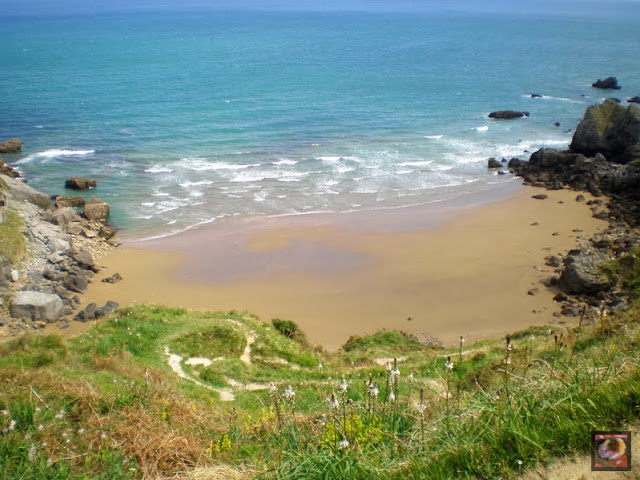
pixel 191 116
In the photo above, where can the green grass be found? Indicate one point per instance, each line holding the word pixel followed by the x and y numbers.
pixel 12 242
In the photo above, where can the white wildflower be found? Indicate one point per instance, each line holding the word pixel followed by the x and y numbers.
pixel 320 365
pixel 334 402
pixel 388 367
pixel 33 451
pixel 12 425
pixel 410 377
pixel 41 428
pixel 548 331
pixel 38 410
pixel 60 414
pixel 507 360
pixel 532 338
pixel 421 408
pixel 448 365
pixel 461 340
pixel 272 390
pixel 392 396
pixel 395 373
pixel 343 385
pixel 519 462
pixel 374 391
pixel 289 393
pixel 49 462
pixel 5 413
pixel 344 444
pixel 81 431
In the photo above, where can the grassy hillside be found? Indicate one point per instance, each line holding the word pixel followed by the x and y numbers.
pixel 154 392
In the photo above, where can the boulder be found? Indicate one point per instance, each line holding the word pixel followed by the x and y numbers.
pixel 63 216
pixel 76 283
pixel 66 201
pixel 536 95
pixel 115 278
pixel 96 209
pixel 635 99
pixel 493 163
pixel 609 129
pixel 60 246
pixel 107 232
pixel 540 196
pixel 507 114
pixel 88 313
pixel 12 145
pixel 36 306
pixel 609 82
pixel 85 260
pixel 80 183
pixel 581 276
pixel 108 309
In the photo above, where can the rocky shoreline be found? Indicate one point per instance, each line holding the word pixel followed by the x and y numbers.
pixel 604 160
pixel 62 246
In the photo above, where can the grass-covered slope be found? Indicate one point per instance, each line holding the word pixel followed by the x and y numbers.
pixel 154 392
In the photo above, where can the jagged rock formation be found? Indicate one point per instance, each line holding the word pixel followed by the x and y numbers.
pixel 507 114
pixel 80 183
pixel 607 83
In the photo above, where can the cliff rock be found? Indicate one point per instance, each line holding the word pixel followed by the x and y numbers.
pixel 12 145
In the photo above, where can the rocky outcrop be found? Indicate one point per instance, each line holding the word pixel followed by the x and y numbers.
pixel 12 145
pixel 36 306
pixel 93 312
pixel 507 114
pixel 65 201
pixel 96 209
pixel 115 278
pixel 635 99
pixel 607 83
pixel 609 129
pixel 18 191
pixel 80 183
pixel 7 170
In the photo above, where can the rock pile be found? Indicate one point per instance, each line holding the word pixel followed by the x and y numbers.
pixel 62 247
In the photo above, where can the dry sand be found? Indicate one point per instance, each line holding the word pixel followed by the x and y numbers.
pixel 460 267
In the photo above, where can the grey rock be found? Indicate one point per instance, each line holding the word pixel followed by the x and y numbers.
pixel 533 291
pixel 493 163
pixel 87 314
pixel 67 201
pixel 76 283
pixel 541 196
pixel 36 306
pixel 64 216
pixel 554 261
pixel 581 276
pixel 96 209
pixel 107 309
pixel 84 259
pixel 15 275
pixel 580 198
pixel 56 258
pixel 58 245
pixel 115 278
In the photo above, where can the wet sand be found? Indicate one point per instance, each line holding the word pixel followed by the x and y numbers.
pixel 458 267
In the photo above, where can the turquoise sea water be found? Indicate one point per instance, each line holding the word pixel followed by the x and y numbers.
pixel 190 117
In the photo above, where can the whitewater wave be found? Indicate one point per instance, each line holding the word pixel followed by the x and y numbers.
pixel 420 163
pixel 484 128
pixel 285 161
pixel 159 169
pixel 195 184
pixel 203 165
pixel 53 153
pixel 434 137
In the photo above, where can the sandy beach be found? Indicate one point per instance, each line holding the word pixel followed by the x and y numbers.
pixel 457 267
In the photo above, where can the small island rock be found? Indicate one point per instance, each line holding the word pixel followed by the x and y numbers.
pixel 80 183
pixel 507 114
pixel 609 82
pixel 96 209
pixel 12 145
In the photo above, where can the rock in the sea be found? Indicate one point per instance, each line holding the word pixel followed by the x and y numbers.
pixel 76 283
pixel 115 278
pixel 80 183
pixel 507 114
pixel 12 145
pixel 96 209
pixel 635 99
pixel 36 306
pixel 536 95
pixel 609 129
pixel 66 201
pixel 493 163
pixel 581 275
pixel 609 82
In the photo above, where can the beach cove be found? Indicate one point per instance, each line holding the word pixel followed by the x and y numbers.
pixel 470 266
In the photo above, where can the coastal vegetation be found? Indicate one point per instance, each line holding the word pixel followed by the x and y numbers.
pixel 12 242
pixel 161 392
